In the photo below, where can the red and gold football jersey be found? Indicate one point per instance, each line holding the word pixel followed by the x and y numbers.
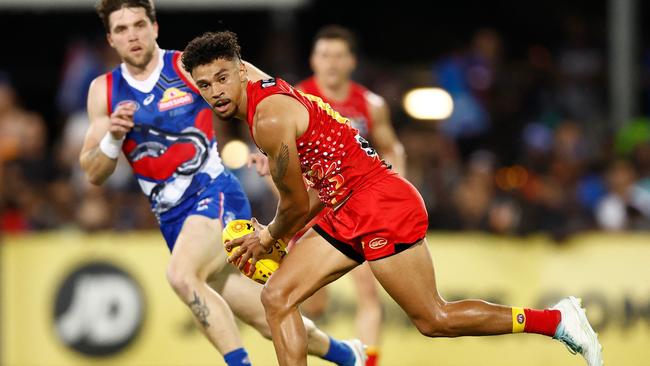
pixel 334 158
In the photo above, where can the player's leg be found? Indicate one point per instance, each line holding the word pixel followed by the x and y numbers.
pixel 369 311
pixel 198 253
pixel 316 304
pixel 243 297
pixel 409 279
pixel 310 265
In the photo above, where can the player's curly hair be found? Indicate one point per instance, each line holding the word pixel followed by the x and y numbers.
pixel 104 9
pixel 209 47
pixel 335 31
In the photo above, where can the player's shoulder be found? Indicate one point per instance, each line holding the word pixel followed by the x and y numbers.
pixel 278 101
pixel 176 55
pixel 177 59
pixel 98 96
pixel 99 86
pixel 275 105
pixel 263 89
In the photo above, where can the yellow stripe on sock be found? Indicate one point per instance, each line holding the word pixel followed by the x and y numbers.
pixel 518 320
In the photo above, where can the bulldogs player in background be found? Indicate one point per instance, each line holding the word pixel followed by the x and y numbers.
pixel 376 215
pixel 149 109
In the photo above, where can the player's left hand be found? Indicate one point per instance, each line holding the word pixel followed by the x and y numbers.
pixel 250 247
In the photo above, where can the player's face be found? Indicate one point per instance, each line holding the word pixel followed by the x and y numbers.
pixel 222 84
pixel 133 36
pixel 332 61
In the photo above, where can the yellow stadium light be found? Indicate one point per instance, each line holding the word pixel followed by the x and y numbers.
pixel 428 103
pixel 235 154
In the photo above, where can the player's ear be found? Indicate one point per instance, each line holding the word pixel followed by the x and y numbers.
pixel 155 29
pixel 243 72
pixel 109 39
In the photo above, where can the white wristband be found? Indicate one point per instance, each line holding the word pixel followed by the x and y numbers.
pixel 111 146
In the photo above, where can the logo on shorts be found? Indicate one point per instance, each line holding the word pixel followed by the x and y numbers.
pixel 204 204
pixel 520 318
pixel 377 243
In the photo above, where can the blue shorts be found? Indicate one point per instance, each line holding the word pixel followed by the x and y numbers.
pixel 223 199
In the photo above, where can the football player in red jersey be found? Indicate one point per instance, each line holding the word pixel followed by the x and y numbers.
pixel 333 60
pixel 376 215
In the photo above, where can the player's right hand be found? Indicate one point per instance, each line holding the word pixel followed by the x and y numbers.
pixel 121 120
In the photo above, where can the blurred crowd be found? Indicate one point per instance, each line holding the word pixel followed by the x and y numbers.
pixel 528 148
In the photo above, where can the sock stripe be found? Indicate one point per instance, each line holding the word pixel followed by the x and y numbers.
pixel 518 320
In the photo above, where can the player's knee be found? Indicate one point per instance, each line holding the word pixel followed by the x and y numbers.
pixel 181 280
pixel 435 324
pixel 275 299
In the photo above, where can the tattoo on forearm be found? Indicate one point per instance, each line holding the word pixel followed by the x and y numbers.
pixel 200 310
pixel 280 170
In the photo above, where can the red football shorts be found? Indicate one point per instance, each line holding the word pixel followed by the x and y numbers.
pixel 379 220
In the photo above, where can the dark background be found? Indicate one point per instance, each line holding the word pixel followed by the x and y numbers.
pixel 393 34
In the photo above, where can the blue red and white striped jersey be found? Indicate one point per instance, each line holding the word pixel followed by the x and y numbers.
pixel 172 148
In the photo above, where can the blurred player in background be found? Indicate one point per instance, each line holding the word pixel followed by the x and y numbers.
pixel 333 60
pixel 149 109
pixel 376 215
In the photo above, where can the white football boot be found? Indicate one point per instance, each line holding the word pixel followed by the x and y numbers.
pixel 359 350
pixel 575 331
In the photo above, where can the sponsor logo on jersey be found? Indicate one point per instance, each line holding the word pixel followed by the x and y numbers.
pixel 377 243
pixel 268 83
pixel 174 98
pixel 128 101
pixel 148 99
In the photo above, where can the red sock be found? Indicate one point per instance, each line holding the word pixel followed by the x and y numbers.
pixel 373 354
pixel 542 321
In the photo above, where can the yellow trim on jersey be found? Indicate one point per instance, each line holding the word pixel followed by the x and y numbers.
pixel 325 106
pixel 518 320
